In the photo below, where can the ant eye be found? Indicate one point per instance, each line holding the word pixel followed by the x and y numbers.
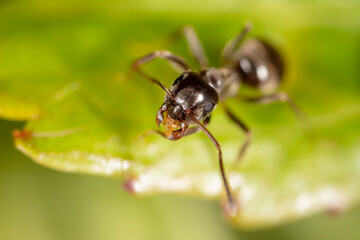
pixel 177 80
pixel 208 107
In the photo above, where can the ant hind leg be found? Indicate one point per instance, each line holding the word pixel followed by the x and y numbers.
pixel 282 97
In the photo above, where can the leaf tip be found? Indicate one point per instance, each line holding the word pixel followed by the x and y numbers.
pixel 21 134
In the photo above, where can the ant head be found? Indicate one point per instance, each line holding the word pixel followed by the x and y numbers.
pixel 260 65
pixel 191 95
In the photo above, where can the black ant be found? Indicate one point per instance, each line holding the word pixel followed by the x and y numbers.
pixel 193 96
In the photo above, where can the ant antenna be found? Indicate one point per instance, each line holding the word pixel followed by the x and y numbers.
pixel 230 199
pixel 174 60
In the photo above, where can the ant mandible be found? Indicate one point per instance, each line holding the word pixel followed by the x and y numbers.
pixel 193 96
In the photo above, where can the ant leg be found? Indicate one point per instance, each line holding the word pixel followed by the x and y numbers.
pixel 282 97
pixel 230 46
pixel 193 42
pixel 233 208
pixel 195 46
pixel 243 127
pixel 175 60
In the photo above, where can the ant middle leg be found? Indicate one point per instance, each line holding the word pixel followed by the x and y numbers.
pixel 245 129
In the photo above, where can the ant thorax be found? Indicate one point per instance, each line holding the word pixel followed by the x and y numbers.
pixel 225 81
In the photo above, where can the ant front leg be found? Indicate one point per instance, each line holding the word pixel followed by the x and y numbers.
pixel 243 127
pixel 282 97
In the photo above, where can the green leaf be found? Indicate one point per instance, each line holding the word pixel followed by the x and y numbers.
pixel 88 119
pixel 285 174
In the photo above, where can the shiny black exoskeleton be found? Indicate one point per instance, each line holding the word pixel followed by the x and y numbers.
pixel 192 93
pixel 259 65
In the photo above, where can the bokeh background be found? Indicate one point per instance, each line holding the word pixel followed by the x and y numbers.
pixel 71 40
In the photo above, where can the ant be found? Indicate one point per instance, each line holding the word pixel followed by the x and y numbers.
pixel 193 96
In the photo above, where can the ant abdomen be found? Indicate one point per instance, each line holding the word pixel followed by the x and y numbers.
pixel 259 65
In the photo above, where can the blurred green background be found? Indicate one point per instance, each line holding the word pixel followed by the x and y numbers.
pixel 50 44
